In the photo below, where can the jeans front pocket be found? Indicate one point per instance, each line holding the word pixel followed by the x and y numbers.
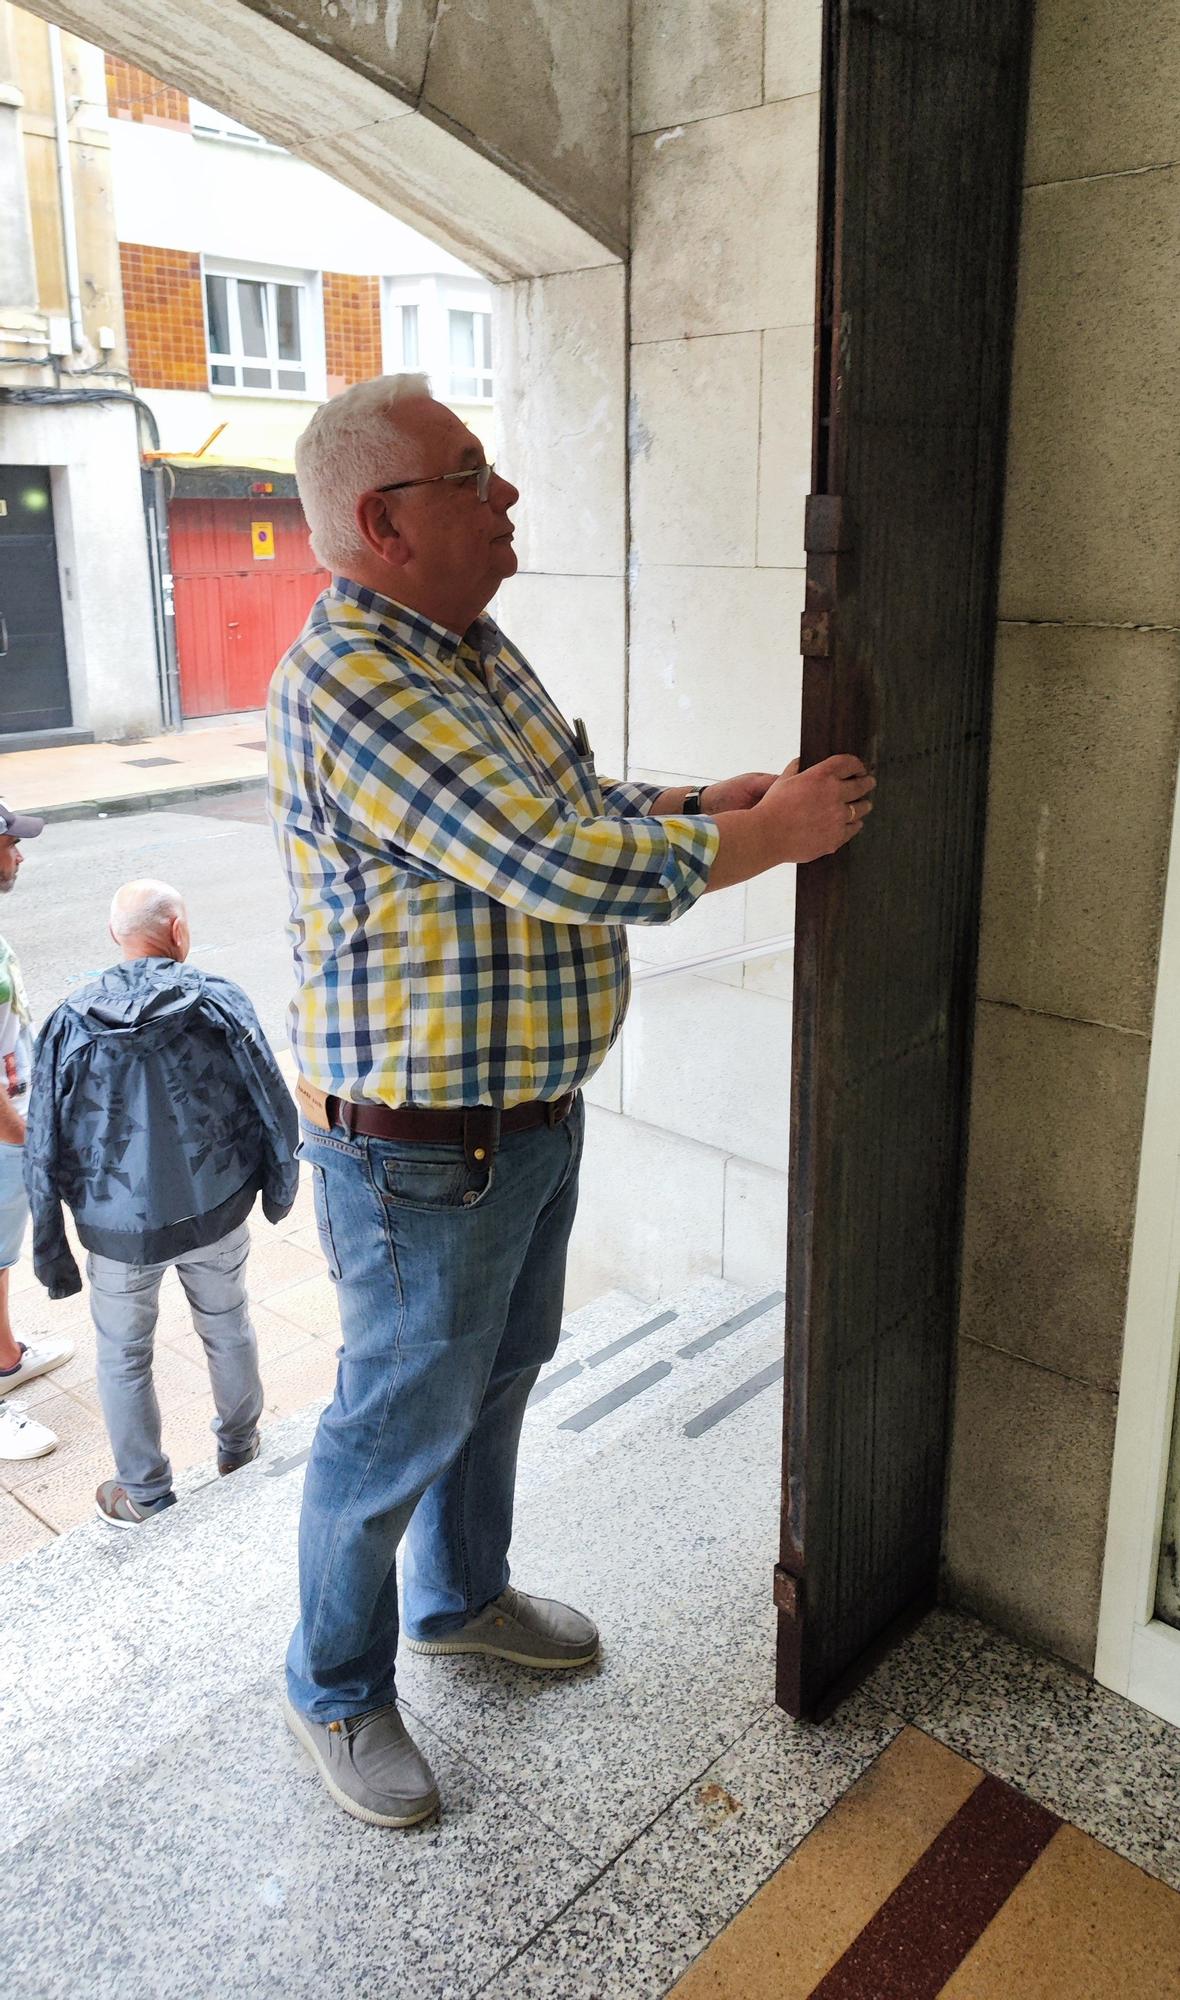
pixel 432 1184
pixel 323 1220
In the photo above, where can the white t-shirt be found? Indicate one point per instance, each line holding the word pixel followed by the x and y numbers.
pixel 16 1032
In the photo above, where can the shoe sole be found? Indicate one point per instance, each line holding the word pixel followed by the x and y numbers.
pixel 9 1383
pixel 22 1457
pixel 303 1736
pixel 490 1652
pixel 113 1521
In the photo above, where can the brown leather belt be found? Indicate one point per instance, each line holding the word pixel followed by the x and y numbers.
pixel 477 1129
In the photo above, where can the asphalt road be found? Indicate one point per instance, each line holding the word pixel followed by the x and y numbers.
pixel 220 854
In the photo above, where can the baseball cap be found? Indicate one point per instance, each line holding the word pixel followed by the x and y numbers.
pixel 21 826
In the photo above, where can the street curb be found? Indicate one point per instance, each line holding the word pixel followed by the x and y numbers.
pixel 144 801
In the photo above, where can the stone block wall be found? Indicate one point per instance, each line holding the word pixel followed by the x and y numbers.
pixel 1086 733
pixel 658 422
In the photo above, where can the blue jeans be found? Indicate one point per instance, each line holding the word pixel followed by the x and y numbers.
pixel 450 1281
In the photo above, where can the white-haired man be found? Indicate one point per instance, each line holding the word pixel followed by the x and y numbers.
pixel 459 878
pixel 159 1116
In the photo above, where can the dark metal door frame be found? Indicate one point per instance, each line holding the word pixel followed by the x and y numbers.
pixel 922 124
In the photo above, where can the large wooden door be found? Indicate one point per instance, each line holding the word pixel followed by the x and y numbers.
pixel 244 579
pixel 921 136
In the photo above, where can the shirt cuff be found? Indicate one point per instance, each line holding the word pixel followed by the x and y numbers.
pixel 628 799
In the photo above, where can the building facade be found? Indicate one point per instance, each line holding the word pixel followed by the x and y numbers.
pixel 77 594
pixel 254 287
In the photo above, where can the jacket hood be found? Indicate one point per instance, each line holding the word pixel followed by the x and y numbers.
pixel 154 997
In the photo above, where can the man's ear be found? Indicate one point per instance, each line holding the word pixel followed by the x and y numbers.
pixel 374 520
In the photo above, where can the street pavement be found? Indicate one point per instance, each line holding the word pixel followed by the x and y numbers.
pixel 218 851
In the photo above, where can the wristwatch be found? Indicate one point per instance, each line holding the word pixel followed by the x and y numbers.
pixel 692 800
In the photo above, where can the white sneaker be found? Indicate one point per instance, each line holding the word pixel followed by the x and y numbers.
pixel 48 1353
pixel 20 1437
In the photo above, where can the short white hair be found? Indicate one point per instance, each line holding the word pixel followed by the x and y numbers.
pixel 350 445
pixel 144 908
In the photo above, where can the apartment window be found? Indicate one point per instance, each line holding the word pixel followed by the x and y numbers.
pixel 439 323
pixel 410 355
pixel 470 356
pixel 259 334
pixel 208 123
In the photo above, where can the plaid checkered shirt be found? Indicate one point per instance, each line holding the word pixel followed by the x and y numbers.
pixel 459 875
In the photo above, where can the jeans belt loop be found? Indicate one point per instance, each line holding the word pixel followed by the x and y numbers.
pixel 481 1134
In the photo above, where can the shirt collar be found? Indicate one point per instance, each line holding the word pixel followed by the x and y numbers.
pixel 480 642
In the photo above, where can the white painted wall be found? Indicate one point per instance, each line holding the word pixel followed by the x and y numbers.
pixel 255 204
pixel 93 454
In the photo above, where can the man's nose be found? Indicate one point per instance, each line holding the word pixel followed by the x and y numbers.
pixel 504 493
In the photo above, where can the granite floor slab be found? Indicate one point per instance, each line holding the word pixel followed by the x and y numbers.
pixel 643 1921
pixel 686 1617
pixel 219 1864
pixel 1097 1760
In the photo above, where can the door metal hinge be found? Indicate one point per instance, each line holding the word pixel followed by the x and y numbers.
pixel 825 524
pixel 788 1592
pixel 815 635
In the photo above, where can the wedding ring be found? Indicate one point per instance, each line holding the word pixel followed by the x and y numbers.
pixel 851 810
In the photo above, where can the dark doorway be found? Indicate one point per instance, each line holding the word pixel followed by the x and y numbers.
pixel 34 676
pixel 922 124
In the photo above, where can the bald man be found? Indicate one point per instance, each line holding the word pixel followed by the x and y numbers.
pixel 158 1117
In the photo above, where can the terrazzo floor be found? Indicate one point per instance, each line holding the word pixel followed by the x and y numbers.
pixel 164 1836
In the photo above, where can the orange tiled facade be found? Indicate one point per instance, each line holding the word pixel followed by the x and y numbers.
pixel 352 329
pixel 132 93
pixel 165 317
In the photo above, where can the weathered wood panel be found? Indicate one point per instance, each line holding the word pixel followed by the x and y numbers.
pixel 921 134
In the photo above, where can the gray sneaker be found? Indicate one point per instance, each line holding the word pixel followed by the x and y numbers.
pixel 529 1631
pixel 370 1764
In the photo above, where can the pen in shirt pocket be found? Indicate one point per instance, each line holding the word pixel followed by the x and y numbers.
pixel 582 740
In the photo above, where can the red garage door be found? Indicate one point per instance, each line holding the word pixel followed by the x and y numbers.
pixel 245 579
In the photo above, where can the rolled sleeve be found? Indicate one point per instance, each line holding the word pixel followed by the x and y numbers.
pixel 416 777
pixel 627 799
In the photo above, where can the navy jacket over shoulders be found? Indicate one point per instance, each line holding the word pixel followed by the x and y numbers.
pixel 157 1115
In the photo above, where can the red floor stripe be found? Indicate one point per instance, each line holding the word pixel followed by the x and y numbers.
pixel 927 1926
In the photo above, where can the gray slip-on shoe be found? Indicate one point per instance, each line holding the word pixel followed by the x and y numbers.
pixel 529 1631
pixel 370 1764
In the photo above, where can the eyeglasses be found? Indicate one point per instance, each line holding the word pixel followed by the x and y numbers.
pixel 482 475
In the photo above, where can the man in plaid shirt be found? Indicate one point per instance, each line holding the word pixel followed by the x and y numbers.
pixel 459 879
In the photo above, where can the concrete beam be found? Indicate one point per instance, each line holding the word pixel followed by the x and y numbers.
pixel 508 148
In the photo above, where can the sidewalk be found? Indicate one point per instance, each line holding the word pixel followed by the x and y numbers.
pixel 293 1306
pixel 80 780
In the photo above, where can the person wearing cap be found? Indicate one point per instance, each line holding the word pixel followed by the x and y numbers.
pixel 20 1361
pixel 159 1115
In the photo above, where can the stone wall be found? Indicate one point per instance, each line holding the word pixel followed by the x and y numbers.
pixel 1086 730
pixel 665 610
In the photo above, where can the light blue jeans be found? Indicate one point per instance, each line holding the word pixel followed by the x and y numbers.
pixel 450 1282
pixel 124 1304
